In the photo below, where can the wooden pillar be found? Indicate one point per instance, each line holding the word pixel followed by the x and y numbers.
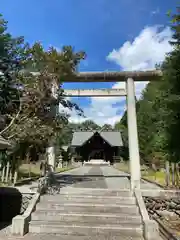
pixel 3 174
pixel 7 171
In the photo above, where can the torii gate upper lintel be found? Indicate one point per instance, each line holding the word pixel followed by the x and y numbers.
pixel 152 75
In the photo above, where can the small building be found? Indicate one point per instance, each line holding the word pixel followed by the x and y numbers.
pixel 89 145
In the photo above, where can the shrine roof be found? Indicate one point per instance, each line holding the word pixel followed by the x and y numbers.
pixel 114 138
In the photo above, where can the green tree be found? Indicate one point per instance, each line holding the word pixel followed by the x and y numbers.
pixel 107 127
pixel 11 57
pixel 89 125
pixel 171 75
pixel 27 105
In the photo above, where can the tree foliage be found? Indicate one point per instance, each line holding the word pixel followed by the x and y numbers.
pixel 158 110
pixel 66 135
pixel 11 54
pixel 29 103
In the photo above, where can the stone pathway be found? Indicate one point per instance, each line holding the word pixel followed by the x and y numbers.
pixel 110 178
pixel 28 188
pixel 78 181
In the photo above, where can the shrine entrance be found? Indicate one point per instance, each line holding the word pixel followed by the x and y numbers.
pixel 103 145
pixel 97 154
pixel 96 148
pixel 129 92
pixel 129 78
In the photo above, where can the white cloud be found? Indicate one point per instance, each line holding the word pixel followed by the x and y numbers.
pixel 143 53
pixel 98 111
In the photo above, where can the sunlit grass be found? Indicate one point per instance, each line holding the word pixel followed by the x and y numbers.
pixel 59 170
pixel 146 173
pixel 29 170
pixel 158 176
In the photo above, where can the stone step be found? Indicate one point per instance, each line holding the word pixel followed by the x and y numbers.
pixel 35 236
pixel 87 218
pixel 87 207
pixel 96 164
pixel 84 230
pixel 97 192
pixel 89 199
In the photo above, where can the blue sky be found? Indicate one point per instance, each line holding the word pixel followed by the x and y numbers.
pixel 136 30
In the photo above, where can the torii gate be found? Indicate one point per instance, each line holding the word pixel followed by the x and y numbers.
pixel 129 92
pixel 128 77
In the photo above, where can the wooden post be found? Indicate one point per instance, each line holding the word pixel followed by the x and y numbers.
pixel 7 171
pixel 10 175
pixel 167 173
pixel 3 174
pixel 177 173
pixel 173 173
pixel 15 177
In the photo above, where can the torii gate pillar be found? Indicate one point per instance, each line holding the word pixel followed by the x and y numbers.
pixel 133 135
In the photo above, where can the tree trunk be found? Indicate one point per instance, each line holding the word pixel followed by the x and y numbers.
pixel 3 174
pixel 7 171
pixel 28 162
pixel 10 176
pixel 167 174
pixel 45 168
pixel 173 173
pixel 15 177
pixel 177 174
pixel 154 169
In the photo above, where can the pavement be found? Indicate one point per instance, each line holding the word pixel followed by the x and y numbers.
pixel 82 178
pixel 90 177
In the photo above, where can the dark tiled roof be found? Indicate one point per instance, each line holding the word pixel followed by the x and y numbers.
pixel 112 137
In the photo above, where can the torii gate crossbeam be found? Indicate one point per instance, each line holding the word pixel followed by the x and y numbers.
pixel 94 92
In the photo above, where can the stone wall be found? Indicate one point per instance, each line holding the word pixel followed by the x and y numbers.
pixel 26 198
pixel 12 203
pixel 167 212
pixel 160 206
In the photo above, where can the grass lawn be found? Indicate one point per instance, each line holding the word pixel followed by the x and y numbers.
pixel 29 171
pixel 148 174
pixel 59 170
pixel 158 177
pixel 3 184
pixel 35 170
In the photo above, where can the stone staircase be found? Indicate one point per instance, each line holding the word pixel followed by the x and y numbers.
pixel 92 214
